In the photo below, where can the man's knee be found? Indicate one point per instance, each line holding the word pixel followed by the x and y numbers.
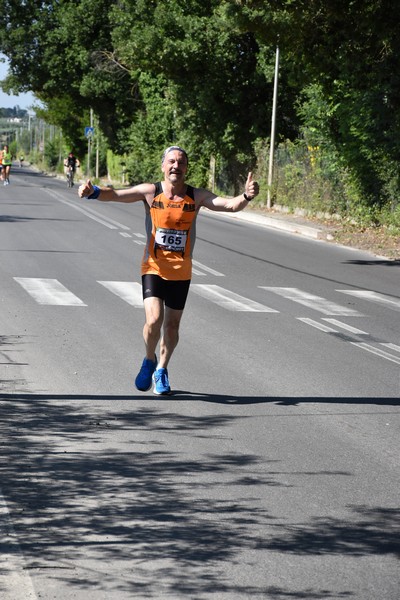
pixel 171 325
pixel 153 326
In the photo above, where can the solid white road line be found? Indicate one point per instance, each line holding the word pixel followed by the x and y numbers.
pixel 377 351
pixel 129 291
pixel 89 212
pixel 317 325
pixel 93 211
pixel 315 302
pixel 228 299
pixel 199 265
pixel 198 272
pixel 388 301
pixel 49 291
pixel 392 347
pixel 345 326
pixel 362 345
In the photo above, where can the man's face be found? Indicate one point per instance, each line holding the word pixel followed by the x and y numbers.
pixel 174 166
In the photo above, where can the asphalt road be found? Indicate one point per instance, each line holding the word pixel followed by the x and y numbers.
pixel 272 472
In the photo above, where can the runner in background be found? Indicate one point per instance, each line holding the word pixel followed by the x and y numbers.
pixel 6 159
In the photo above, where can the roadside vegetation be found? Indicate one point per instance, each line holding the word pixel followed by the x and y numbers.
pixel 200 74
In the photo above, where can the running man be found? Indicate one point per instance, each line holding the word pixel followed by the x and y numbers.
pixel 171 208
pixel 6 162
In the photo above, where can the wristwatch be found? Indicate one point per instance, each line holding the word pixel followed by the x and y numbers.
pixel 245 196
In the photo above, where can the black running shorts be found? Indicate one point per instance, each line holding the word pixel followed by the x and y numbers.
pixel 173 293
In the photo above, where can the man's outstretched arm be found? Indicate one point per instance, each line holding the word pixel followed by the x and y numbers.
pixel 143 191
pixel 218 203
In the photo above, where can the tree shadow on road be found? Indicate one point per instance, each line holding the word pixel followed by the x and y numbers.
pixel 285 400
pixel 228 399
pixel 89 485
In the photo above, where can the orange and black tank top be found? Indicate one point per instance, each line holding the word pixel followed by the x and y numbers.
pixel 171 234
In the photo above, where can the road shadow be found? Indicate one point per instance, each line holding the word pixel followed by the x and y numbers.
pixel 379 262
pixel 86 483
pixel 187 396
pixel 17 219
pixel 283 400
pixel 370 530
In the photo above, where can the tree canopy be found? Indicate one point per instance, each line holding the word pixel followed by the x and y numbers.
pixel 200 73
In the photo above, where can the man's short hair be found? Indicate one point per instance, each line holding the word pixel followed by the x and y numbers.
pixel 174 148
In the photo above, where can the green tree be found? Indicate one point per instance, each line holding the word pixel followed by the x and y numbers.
pixel 56 50
pixel 200 73
pixel 200 81
pixel 351 50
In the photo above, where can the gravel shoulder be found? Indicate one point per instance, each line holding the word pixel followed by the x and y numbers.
pixel 376 240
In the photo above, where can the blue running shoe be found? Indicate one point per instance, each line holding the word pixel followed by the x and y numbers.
pixel 161 383
pixel 143 378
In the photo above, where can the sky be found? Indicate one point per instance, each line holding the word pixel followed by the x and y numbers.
pixel 24 101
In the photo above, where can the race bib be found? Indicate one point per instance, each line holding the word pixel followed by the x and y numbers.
pixel 171 239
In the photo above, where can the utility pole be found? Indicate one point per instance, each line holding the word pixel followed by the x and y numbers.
pixel 97 132
pixel 273 126
pixel 89 142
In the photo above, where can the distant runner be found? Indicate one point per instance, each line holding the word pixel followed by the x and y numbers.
pixel 6 159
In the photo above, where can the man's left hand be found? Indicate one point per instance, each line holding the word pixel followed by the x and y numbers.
pixel 251 188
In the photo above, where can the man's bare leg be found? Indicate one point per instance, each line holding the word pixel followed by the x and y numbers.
pixel 154 311
pixel 170 336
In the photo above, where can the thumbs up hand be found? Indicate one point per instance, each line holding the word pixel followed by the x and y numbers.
pixel 86 189
pixel 251 188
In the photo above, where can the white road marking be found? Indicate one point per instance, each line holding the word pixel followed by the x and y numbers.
pixel 49 291
pixel 345 326
pixel 124 234
pixel 228 299
pixel 377 351
pixel 94 212
pixel 197 272
pixel 362 345
pixel 315 302
pixel 129 291
pixel 392 347
pixel 317 325
pixel 387 301
pixel 89 212
pixel 199 265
